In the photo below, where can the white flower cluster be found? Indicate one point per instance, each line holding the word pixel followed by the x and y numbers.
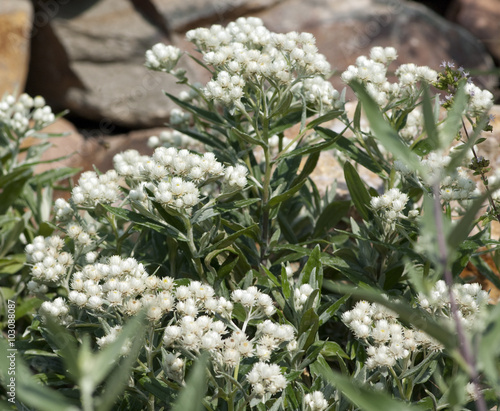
pixel 93 189
pixel 57 309
pixel 17 114
pixel 480 101
pixel 162 57
pixel 454 186
pixel 196 332
pixel 236 177
pixel 266 379
pixel 471 300
pixel 301 294
pixel 111 335
pixel 226 89
pixel 49 264
pixel 119 284
pixel 315 401
pixel 175 138
pixel 128 163
pixel 62 209
pixel 245 51
pixel 390 204
pixel 386 339
pixel 413 126
pixel 319 93
pixel 373 73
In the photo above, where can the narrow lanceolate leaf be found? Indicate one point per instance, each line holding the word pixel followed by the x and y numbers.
pixel 331 115
pixel 359 194
pixel 144 221
pixel 430 121
pixel 453 122
pixel 191 397
pixel 330 216
pixel 273 202
pixel 462 228
pixel 205 114
pixel 383 131
pixel 247 137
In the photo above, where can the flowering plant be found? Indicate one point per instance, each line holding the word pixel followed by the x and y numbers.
pixel 224 278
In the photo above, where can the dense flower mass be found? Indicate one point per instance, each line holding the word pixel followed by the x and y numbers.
pixel 245 55
pixel 162 58
pixel 17 114
pixel 235 260
pixel 387 340
pixel 390 204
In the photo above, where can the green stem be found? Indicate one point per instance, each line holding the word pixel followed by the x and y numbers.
pixel 398 383
pixel 150 358
pixel 192 248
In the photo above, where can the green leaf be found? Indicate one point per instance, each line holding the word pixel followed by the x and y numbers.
pixel 359 194
pixel 333 349
pixel 204 138
pixel 309 325
pixel 356 154
pixel 313 263
pixel 330 216
pixel 280 198
pixel 461 230
pixel 453 122
pixel 489 349
pixel 332 309
pixel 229 240
pixel 12 186
pixel 207 115
pixel 108 360
pixel 144 221
pixel 311 149
pixel 51 176
pixel 383 131
pixel 292 118
pixel 285 284
pixel 331 115
pixel 247 138
pixel 429 120
pixel 191 397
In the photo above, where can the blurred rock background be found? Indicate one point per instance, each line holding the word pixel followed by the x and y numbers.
pixel 87 55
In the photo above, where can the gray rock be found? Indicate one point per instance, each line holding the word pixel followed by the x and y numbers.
pixel 182 15
pixel 345 30
pixel 97 66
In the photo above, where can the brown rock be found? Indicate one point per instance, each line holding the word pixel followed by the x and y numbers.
pixel 482 19
pixel 15 26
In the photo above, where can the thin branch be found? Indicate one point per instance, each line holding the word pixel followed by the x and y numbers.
pixel 464 346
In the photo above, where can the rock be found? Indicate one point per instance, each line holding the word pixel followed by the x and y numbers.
pixel 15 28
pixel 96 52
pixel 67 147
pixel 183 15
pixel 346 30
pixel 482 19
